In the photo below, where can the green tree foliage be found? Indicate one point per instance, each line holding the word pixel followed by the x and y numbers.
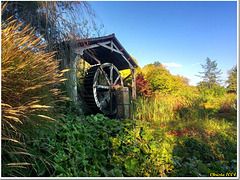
pixel 160 78
pixel 126 72
pixel 82 67
pixel 157 63
pixel 232 80
pixel 210 74
pixel 210 94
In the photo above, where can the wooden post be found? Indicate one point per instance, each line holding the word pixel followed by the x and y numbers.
pixel 74 95
pixel 134 87
pixel 69 61
pixel 123 105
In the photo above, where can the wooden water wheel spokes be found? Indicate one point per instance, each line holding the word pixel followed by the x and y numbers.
pixel 105 80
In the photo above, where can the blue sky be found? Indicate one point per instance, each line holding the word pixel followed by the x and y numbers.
pixel 178 34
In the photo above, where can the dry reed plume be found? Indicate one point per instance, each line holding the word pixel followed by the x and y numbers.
pixel 30 78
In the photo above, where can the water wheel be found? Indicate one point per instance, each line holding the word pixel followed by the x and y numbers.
pixel 100 84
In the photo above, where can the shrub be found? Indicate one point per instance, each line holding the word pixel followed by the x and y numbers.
pixel 81 146
pixel 209 94
pixel 161 80
pixel 143 86
pixel 228 103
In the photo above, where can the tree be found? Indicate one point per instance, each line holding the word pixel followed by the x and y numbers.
pixel 157 63
pixel 160 79
pixel 59 24
pixel 56 21
pixel 210 75
pixel 232 80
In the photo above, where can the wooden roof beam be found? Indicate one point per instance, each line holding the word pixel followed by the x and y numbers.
pixel 111 47
pixel 98 61
pixel 81 49
pixel 130 65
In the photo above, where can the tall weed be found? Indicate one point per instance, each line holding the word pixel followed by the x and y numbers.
pixel 155 109
pixel 164 108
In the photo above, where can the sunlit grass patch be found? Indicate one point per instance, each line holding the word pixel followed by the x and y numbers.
pixel 216 125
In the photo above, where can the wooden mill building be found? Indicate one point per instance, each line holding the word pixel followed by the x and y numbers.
pixel 107 57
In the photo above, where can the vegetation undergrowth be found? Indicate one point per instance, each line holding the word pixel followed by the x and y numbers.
pixel 82 145
pixel 204 139
pixel 191 143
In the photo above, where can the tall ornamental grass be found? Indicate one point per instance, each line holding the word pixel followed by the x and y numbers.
pixel 30 77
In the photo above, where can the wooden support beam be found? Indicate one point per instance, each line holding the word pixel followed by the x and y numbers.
pixel 93 57
pixel 116 47
pixel 73 79
pixel 104 43
pixel 126 77
pixel 109 47
pixel 130 65
pixel 134 85
pixel 87 47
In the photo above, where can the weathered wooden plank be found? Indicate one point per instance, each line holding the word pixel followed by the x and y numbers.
pixel 134 86
pixel 123 108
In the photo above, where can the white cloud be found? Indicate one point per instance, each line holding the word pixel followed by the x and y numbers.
pixel 172 65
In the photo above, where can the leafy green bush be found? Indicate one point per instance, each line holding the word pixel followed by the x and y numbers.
pixel 143 151
pixel 96 146
pixel 81 146
pixel 228 104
